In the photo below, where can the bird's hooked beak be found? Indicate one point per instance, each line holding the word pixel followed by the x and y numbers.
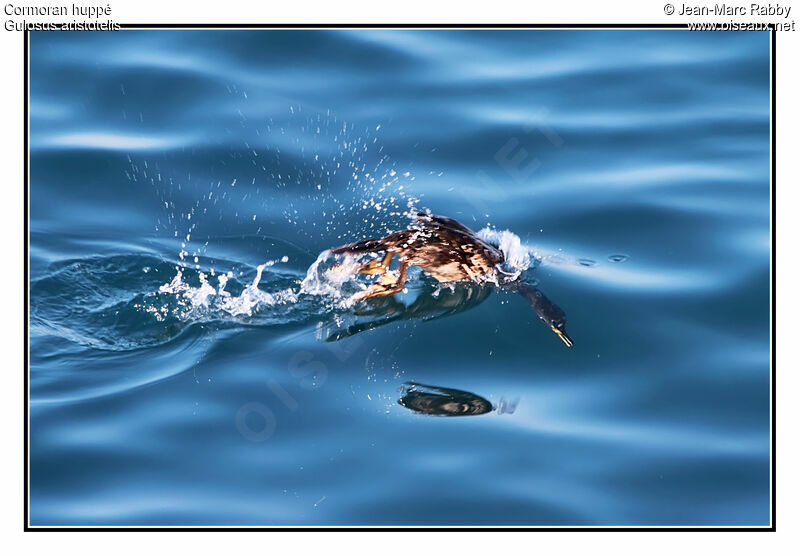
pixel 563 335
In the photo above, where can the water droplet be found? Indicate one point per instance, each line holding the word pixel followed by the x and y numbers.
pixel 618 258
pixel 586 262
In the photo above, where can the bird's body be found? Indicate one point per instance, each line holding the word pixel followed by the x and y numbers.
pixel 442 247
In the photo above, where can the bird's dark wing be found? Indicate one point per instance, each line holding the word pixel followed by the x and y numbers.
pixel 366 246
pixel 442 221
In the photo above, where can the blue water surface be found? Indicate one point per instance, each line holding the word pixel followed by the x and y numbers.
pixel 632 164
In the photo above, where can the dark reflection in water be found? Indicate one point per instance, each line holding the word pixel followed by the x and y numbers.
pixel 431 303
pixel 441 302
pixel 447 402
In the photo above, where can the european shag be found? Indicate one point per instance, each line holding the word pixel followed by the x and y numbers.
pixel 450 252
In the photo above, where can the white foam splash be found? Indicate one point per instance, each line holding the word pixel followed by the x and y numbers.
pixel 332 278
pixel 331 281
pixel 517 257
pixel 251 297
pixel 206 297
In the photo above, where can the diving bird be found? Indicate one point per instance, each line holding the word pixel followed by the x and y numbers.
pixel 450 252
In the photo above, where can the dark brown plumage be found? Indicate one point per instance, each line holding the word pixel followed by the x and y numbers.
pixel 441 246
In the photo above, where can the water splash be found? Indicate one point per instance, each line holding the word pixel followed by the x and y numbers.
pixel 517 257
pixel 205 300
pixel 329 284
pixel 332 280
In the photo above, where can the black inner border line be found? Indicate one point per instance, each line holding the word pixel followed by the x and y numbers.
pixel 25 266
pixel 773 118
pixel 401 26
pixel 26 517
